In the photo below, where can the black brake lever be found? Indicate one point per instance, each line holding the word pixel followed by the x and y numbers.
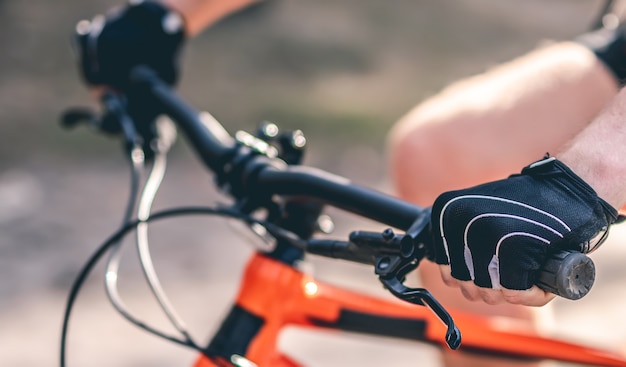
pixel 74 116
pixel 108 121
pixel 113 120
pixel 392 270
pixel 394 257
pixel 423 297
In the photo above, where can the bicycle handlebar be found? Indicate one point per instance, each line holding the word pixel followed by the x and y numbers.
pixel 567 274
pixel 213 147
pixel 340 193
pixel 265 176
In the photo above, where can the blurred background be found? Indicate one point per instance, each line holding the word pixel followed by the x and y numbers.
pixel 343 71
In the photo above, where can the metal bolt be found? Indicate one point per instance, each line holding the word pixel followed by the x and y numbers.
pixel 388 234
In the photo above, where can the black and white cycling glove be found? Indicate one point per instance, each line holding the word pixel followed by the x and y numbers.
pixel 139 33
pixel 499 234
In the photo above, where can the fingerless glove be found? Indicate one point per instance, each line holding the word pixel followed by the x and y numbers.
pixel 141 33
pixel 499 234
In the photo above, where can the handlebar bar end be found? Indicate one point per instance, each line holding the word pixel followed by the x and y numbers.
pixel 569 274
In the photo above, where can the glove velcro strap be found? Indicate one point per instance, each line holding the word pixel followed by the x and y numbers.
pixel 591 235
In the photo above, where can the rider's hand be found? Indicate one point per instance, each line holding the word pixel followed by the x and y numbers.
pixel 492 239
pixel 140 33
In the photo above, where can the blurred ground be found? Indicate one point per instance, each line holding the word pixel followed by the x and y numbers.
pixel 343 71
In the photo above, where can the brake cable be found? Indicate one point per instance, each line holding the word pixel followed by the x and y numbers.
pixel 166 137
pixel 116 114
pixel 143 212
pixel 118 236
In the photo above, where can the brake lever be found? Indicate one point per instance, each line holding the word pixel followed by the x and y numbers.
pixel 108 121
pixel 74 116
pixel 423 297
pixel 392 271
pixel 114 119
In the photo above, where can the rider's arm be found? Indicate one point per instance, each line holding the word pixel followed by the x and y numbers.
pixel 492 238
pixel 598 153
pixel 488 126
pixel 199 14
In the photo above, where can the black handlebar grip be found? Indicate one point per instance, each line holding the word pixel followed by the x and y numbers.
pixel 569 274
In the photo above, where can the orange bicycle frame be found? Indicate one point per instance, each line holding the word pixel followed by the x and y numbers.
pixel 277 295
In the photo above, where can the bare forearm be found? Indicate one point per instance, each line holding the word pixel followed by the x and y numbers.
pixel 199 14
pixel 598 153
pixel 549 91
pixel 487 127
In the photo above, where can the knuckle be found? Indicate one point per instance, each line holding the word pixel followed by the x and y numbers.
pixel 446 276
pixel 490 301
pixel 470 292
pixel 450 281
pixel 491 297
pixel 514 297
pixel 469 296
